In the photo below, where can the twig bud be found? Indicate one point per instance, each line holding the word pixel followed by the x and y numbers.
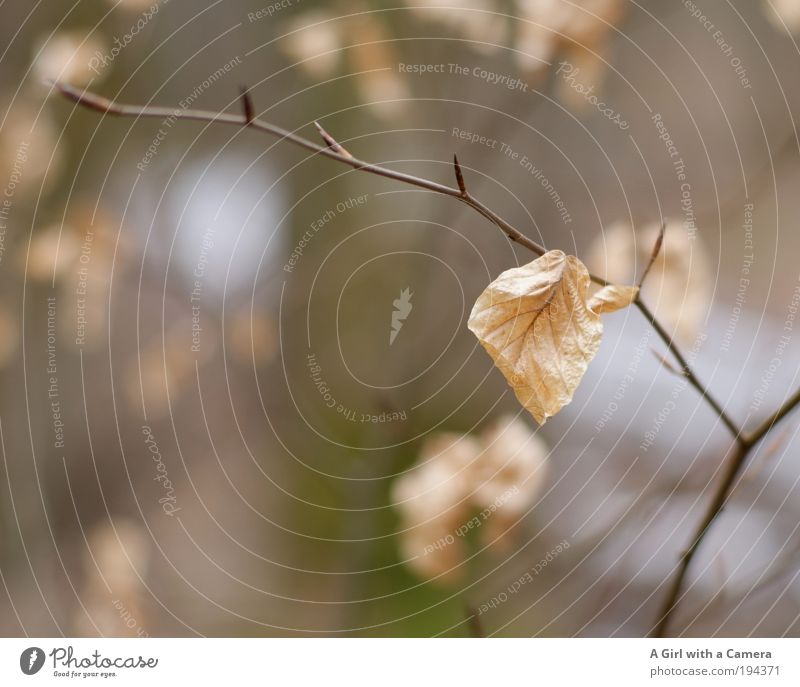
pixel 247 105
pixel 331 141
pixel 459 177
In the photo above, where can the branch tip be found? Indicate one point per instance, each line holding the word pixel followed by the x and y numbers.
pixel 656 250
pixel 84 98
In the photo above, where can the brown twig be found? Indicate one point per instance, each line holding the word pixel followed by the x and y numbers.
pixel 742 443
pixel 687 372
pixel 654 254
pixel 104 105
pixel 713 511
pixel 788 406
pixel 767 454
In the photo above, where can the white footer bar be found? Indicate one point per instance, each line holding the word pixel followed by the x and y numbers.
pixel 402 662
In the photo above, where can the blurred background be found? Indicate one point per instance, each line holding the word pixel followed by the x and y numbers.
pixel 229 367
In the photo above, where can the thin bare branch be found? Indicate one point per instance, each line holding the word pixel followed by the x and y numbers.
pixel 100 104
pixel 654 254
pixel 788 406
pixel 689 373
pixel 674 596
pixel 766 456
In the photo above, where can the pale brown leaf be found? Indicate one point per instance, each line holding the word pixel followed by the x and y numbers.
pixel 613 297
pixel 535 323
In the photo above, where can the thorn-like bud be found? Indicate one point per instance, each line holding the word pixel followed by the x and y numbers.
pixel 247 105
pixel 331 142
pixel 667 364
pixel 459 176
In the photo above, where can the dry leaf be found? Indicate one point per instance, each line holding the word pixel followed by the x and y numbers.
pixel 535 323
pixel 613 297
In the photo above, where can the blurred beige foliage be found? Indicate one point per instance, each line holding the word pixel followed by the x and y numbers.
pixel 115 569
pixel 784 14
pixel 544 31
pixel 163 372
pixel 252 338
pixel 53 253
pixel 678 287
pixel 317 39
pixel 9 336
pixel 78 255
pixel 134 5
pixel 66 57
pixel 374 57
pixel 577 28
pixel 313 39
pixel 499 473
pixel 29 146
pixel 475 20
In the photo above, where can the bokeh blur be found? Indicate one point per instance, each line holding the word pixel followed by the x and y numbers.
pixel 239 396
